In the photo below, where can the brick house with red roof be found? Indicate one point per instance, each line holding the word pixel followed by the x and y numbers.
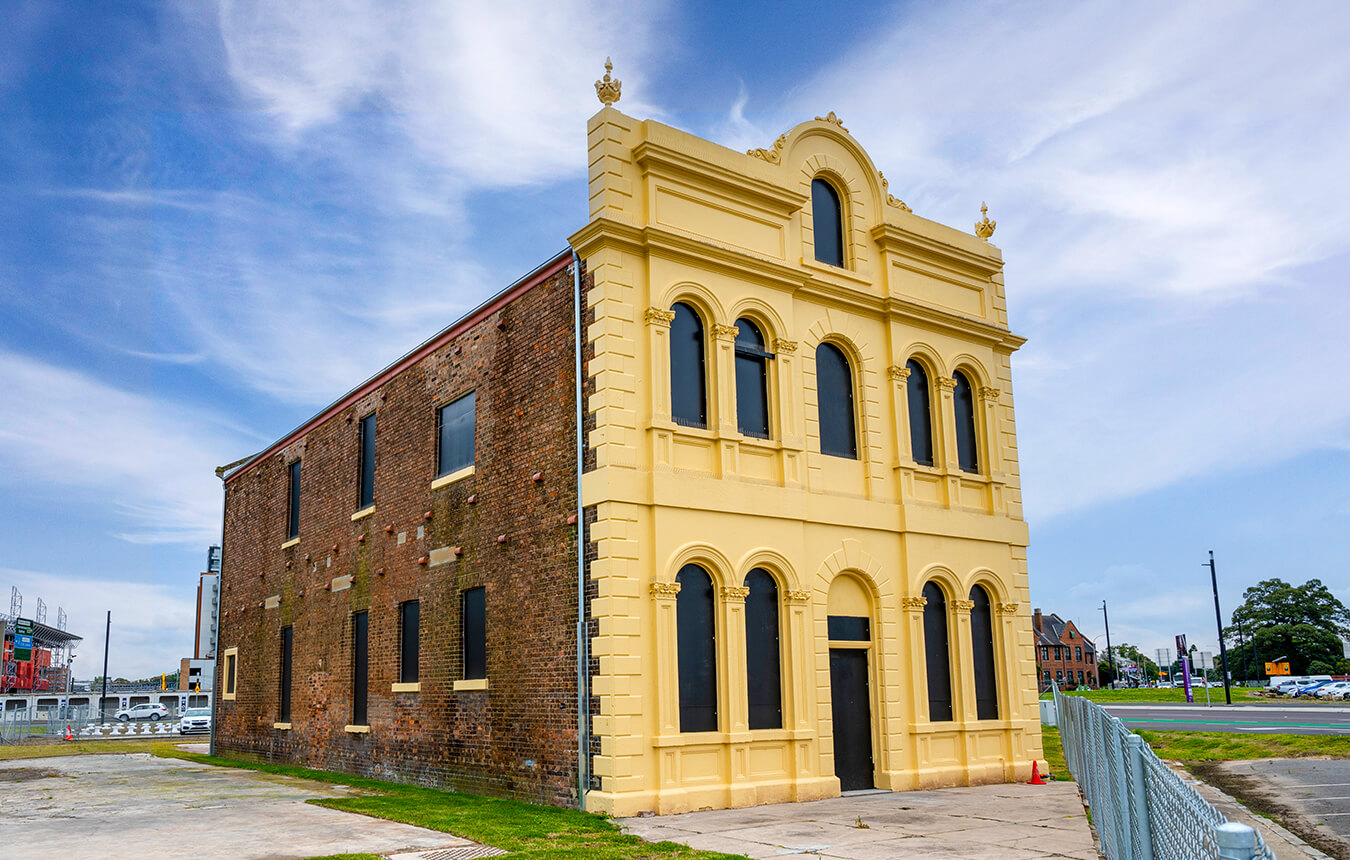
pixel 1063 653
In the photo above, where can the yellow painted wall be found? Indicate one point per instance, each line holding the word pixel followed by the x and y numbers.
pixel 677 218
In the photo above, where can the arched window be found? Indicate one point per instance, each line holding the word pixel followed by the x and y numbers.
pixel 920 414
pixel 982 647
pixel 752 380
pixel 827 223
pixel 834 393
pixel 762 668
pixel 939 658
pixel 964 400
pixel 694 623
pixel 688 381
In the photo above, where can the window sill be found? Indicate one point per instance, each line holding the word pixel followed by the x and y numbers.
pixel 471 684
pixel 282 726
pixel 363 513
pixel 227 697
pixel 290 543
pixel 447 480
pixel 412 687
pixel 357 730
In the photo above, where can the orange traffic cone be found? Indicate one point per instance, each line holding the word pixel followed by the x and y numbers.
pixel 70 736
pixel 1035 774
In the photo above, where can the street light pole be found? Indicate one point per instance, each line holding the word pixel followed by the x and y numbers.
pixel 1110 661
pixel 1218 619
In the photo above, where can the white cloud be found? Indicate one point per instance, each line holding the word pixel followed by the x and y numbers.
pixel 151 624
pixel 149 461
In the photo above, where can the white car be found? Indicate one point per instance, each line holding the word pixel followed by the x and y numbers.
pixel 195 720
pixel 143 712
pixel 1335 690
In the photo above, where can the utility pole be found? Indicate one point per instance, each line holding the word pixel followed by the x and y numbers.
pixel 103 699
pixel 1110 661
pixel 1218 619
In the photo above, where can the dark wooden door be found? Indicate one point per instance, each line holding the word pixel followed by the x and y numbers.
pixel 852 718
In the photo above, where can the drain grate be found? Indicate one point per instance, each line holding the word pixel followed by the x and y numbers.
pixel 458 852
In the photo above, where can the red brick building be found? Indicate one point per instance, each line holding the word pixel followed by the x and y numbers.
pixel 1063 654
pixel 357 548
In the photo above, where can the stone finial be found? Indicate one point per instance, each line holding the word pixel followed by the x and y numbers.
pixel 984 228
pixel 607 89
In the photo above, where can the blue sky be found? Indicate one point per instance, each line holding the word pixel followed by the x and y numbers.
pixel 216 219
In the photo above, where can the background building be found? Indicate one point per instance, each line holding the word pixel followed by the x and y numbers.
pixel 1063 654
pixel 803 560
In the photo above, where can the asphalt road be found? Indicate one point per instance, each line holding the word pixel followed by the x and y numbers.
pixel 1274 718
pixel 1317 790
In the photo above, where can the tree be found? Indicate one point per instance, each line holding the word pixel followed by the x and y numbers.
pixel 1147 668
pixel 1303 624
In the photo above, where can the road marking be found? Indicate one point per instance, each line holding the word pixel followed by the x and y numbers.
pixel 1322 784
pixel 1258 728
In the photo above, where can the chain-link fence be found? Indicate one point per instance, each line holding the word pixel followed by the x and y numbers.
pixel 1141 808
pixel 20 724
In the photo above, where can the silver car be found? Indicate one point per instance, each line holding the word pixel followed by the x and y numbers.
pixel 195 720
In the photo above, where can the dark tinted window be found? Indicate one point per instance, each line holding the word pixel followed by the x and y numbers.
pixel 407 667
pixel 920 414
pixel 752 381
pixel 762 651
pixel 694 622
pixel 964 402
pixel 284 711
pixel 688 385
pixel 834 390
pixel 474 626
pixel 827 223
pixel 293 505
pixel 849 628
pixel 230 661
pixel 454 431
pixel 982 645
pixel 365 481
pixel 360 666
pixel 937 654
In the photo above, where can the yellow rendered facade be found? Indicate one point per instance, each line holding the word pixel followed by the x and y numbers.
pixel 674 218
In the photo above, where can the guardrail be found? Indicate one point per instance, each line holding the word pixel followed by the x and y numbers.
pixel 1141 808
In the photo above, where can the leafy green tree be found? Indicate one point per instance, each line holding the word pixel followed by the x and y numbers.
pixel 1303 624
pixel 1146 666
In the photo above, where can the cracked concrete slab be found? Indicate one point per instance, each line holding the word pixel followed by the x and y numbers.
pixel 131 806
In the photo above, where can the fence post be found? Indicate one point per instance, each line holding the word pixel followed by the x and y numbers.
pixel 1236 841
pixel 1138 789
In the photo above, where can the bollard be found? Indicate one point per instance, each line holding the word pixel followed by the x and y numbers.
pixel 1138 789
pixel 1236 841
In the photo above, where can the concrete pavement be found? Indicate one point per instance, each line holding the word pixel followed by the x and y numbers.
pixel 137 806
pixel 1008 822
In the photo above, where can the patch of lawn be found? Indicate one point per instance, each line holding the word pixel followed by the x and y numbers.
pixel 84 748
pixel 1163 695
pixel 524 829
pixel 1223 746
pixel 1054 754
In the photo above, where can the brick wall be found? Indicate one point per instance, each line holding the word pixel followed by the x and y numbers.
pixel 516 738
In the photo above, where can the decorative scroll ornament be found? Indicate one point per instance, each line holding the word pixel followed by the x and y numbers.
pixel 897 373
pixel 945 383
pixel 1008 608
pixel 773 156
pixel 984 228
pixel 727 331
pixel 798 597
pixel 607 89
pixel 735 592
pixel 782 345
pixel 665 589
pixel 891 199
pixel 987 393
pixel 914 602
pixel 831 118
pixel 659 316
pixel 963 605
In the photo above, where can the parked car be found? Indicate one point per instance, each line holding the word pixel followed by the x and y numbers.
pixel 143 712
pixel 1334 690
pixel 195 720
pixel 1310 689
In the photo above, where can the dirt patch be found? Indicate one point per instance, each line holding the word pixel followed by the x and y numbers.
pixel 1261 798
pixel 24 774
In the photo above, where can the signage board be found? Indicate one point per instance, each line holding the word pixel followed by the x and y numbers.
pixel 23 647
pixel 23 625
pixel 1277 668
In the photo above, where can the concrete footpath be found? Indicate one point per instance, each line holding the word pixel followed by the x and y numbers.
pixel 1008 822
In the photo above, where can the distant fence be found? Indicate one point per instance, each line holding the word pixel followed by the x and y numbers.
pixel 1141 808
